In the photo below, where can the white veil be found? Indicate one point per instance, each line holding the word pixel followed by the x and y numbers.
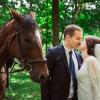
pixel 97 74
pixel 97 51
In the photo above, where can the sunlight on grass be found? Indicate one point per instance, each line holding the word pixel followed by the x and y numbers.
pixel 22 88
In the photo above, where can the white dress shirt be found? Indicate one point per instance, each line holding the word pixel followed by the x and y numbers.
pixel 71 93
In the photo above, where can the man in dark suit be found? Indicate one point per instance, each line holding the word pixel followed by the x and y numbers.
pixel 60 84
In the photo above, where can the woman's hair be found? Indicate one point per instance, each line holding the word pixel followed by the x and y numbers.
pixel 91 41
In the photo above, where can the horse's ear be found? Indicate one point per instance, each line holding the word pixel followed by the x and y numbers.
pixel 32 14
pixel 16 16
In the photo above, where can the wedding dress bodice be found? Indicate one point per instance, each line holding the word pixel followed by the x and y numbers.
pixel 88 78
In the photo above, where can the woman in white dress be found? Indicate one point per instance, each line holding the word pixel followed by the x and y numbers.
pixel 88 76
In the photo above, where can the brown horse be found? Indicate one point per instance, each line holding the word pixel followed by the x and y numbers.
pixel 20 38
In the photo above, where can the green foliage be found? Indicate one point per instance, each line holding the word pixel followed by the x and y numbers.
pixel 89 20
pixel 4 16
pixel 44 18
pixel 87 17
pixel 86 1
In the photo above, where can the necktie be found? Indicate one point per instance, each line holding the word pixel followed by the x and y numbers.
pixel 71 65
pixel 72 71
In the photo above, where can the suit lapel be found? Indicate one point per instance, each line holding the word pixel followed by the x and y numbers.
pixel 63 57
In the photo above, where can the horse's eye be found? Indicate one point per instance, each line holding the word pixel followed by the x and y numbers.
pixel 28 42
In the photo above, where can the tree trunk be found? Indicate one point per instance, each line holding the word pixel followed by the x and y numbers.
pixel 76 11
pixel 55 28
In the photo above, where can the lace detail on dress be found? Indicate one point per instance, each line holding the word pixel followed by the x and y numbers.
pixel 94 73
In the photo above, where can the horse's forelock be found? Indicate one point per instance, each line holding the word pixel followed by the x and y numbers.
pixel 29 23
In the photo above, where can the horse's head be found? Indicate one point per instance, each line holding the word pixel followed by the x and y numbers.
pixel 25 44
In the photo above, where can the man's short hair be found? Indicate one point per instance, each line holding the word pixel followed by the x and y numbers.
pixel 70 29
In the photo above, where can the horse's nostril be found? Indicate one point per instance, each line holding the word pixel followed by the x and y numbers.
pixel 43 78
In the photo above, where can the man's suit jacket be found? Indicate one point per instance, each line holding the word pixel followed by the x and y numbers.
pixel 57 85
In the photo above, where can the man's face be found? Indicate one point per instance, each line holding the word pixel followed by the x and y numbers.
pixel 83 46
pixel 75 40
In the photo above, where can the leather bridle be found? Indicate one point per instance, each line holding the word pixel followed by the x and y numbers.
pixel 25 61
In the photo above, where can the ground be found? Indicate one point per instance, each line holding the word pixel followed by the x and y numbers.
pixel 22 88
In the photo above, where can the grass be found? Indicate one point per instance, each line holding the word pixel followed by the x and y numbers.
pixel 22 88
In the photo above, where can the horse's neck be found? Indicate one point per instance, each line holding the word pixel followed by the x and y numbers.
pixel 6 31
pixel 3 54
